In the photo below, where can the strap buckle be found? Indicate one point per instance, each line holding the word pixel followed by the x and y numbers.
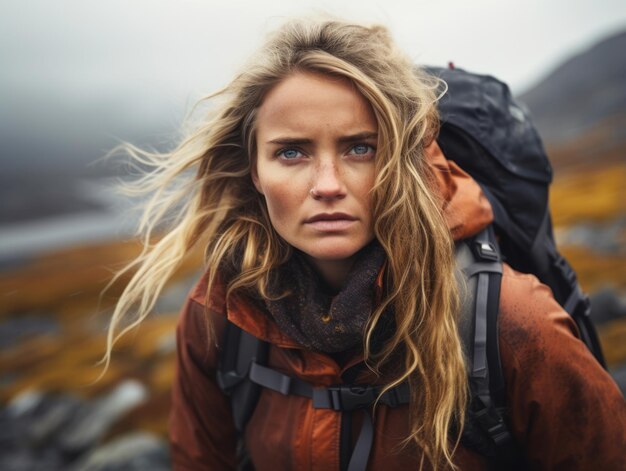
pixel 343 397
pixel 227 381
pixel 491 420
pixel 499 433
pixel 486 250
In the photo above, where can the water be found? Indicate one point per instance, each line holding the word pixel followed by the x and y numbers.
pixel 114 218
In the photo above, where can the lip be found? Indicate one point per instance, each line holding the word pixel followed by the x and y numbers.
pixel 330 217
pixel 331 222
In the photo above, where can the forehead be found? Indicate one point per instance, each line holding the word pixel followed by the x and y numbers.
pixel 306 101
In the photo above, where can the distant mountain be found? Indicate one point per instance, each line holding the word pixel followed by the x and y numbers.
pixel 582 91
pixel 580 108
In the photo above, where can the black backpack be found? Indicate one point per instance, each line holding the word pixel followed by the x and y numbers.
pixel 490 136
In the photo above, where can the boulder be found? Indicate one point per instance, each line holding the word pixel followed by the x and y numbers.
pixel 93 422
pixel 131 452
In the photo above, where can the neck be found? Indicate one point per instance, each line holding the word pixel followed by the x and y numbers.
pixel 334 272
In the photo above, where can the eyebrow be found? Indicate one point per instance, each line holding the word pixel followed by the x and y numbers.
pixel 361 136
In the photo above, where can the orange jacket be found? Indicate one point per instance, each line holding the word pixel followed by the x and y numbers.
pixel 565 410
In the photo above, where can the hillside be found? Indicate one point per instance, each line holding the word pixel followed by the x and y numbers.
pixel 580 107
pixel 583 91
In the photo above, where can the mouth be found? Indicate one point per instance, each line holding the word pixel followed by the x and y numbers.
pixel 331 222
pixel 330 217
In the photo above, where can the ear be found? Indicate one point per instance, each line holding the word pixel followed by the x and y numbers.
pixel 255 178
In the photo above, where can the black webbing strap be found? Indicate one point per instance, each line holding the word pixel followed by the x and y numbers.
pixel 240 348
pixel 349 376
pixel 488 263
pixel 345 398
pixel 345 440
pixel 360 455
pixel 479 370
pixel 485 372
pixel 339 397
pixel 579 307
pixel 480 267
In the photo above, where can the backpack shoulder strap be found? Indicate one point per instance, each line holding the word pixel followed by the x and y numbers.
pixel 486 429
pixel 240 351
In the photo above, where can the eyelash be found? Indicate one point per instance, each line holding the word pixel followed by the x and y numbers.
pixel 369 147
pixel 280 153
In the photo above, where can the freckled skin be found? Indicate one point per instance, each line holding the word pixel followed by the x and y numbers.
pixel 320 112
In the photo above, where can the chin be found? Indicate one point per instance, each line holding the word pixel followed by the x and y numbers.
pixel 333 251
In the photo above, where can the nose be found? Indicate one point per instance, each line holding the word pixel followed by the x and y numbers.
pixel 327 182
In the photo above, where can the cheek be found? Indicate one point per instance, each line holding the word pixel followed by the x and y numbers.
pixel 282 203
pixel 363 190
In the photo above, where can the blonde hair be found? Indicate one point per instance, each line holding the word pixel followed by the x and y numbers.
pixel 220 211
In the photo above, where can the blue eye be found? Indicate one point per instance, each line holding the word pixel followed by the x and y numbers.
pixel 361 149
pixel 289 154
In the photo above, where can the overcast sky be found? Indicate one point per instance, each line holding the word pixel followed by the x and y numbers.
pixel 64 61
pixel 178 44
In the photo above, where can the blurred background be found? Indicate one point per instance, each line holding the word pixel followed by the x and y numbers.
pixel 78 77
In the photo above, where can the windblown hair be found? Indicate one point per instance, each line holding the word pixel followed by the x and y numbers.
pixel 220 211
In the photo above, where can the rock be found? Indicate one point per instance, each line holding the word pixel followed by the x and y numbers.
pixel 51 421
pixel 34 419
pixel 93 422
pixel 27 428
pixel 23 459
pixel 48 431
pixel 131 452
pixel 24 403
pixel 606 306
pixel 18 416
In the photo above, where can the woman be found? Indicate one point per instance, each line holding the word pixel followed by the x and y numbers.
pixel 327 215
